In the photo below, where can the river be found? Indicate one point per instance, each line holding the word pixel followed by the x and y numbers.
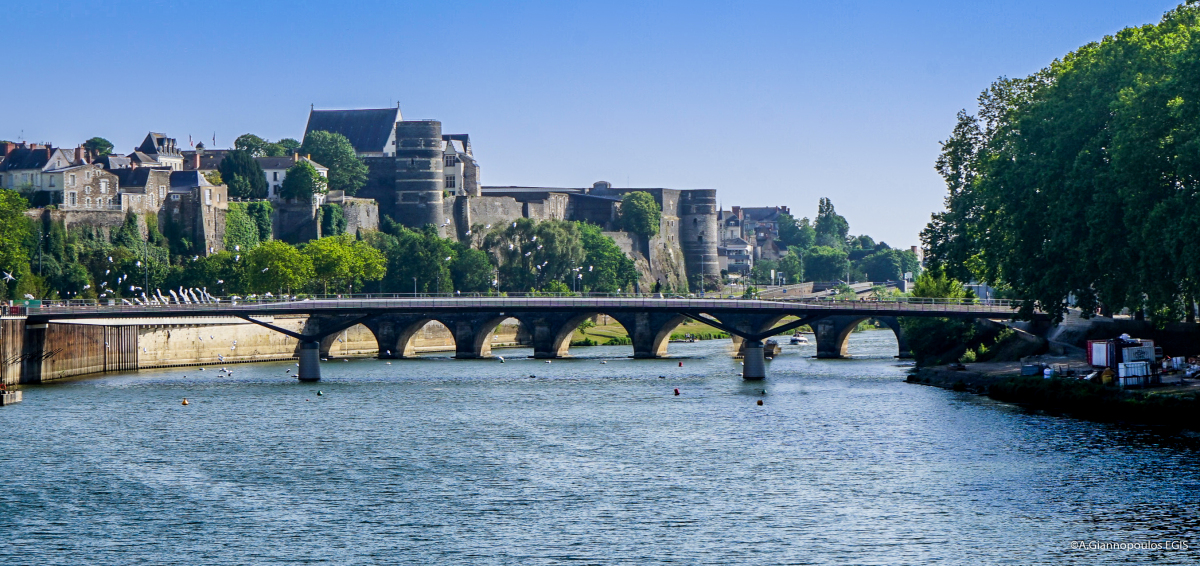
pixel 593 461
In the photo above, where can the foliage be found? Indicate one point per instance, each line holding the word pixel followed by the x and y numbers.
pixel 241 231
pixel 14 229
pixel 936 339
pixel 213 177
pixel 346 171
pixel 98 146
pixel 243 175
pixel 333 219
pixel 826 263
pixel 276 267
pixel 530 254
pixel 792 265
pixel 830 228
pixel 608 268
pixel 797 234
pixel 260 213
pixel 344 261
pixel 302 181
pixel 1083 180
pixel 640 213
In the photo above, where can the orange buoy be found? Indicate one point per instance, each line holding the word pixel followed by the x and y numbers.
pixel 677 391
pixel 760 402
pixel 185 401
pixel 680 364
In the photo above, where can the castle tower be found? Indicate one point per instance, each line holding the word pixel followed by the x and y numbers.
pixel 419 173
pixel 698 237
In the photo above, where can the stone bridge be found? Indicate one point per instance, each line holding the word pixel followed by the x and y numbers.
pixel 551 321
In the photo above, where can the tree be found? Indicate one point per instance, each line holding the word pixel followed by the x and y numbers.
pixel 276 267
pixel 471 271
pixel 302 181
pixel 241 164
pixel 825 263
pixel 98 146
pixel 251 144
pixel 608 268
pixel 792 266
pixel 14 229
pixel 260 213
pixel 931 338
pixel 344 261
pixel 241 232
pixel 883 265
pixel 796 233
pixel 831 229
pixel 289 146
pixel 640 213
pixel 346 171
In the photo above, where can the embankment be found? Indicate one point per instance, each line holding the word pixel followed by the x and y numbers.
pixel 35 353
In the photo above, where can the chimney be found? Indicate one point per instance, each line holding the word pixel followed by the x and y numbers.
pixel 78 154
pixel 196 160
pixel 7 148
pixel 295 157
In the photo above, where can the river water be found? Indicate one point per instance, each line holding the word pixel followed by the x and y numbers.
pixel 441 461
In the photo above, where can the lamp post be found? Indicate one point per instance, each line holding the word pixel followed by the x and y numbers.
pixel 414 286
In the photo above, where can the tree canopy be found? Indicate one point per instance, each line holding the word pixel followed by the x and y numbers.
pixel 640 213
pixel 302 181
pixel 98 146
pixel 1082 181
pixel 830 228
pixel 346 171
pixel 243 175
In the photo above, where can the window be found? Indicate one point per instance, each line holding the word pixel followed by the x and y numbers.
pixel 87 190
pixel 72 181
pixel 451 160
pixel 276 175
pixel 162 191
pixel 207 196
pixel 73 198
pixel 87 175
pixel 103 186
pixel 52 180
pixel 24 178
pixel 449 181
pixel 88 202
pixel 174 197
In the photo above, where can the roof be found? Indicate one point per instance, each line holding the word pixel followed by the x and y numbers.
pixel 368 130
pixel 112 162
pixel 763 213
pixel 141 157
pixel 285 163
pixel 25 158
pixel 735 242
pixel 156 143
pixel 184 180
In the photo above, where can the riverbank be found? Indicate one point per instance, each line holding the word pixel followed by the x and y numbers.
pixel 1175 406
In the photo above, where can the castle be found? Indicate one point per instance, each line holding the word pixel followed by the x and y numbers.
pixel 421 176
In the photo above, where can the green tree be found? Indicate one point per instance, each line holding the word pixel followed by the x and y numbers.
pixel 640 213
pixel 346 171
pixel 240 230
pixel 260 213
pixel 276 267
pixel 471 271
pixel 825 263
pixel 241 164
pixel 98 146
pixel 883 265
pixel 15 229
pixel 831 229
pixel 796 233
pixel 933 340
pixel 251 144
pixel 608 268
pixel 792 266
pixel 302 181
pixel 344 261
pixel 289 146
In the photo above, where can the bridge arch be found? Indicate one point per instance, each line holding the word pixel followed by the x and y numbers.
pixel 481 341
pixel 833 334
pixel 346 343
pixel 561 343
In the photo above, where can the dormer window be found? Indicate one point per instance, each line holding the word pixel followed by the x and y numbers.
pixel 451 160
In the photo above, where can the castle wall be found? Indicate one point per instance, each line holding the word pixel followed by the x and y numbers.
pixel 361 214
pixel 295 222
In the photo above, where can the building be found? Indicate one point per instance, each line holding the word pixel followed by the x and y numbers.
pixel 28 167
pixel 197 208
pixel 275 169
pixel 736 255
pixel 157 150
pixel 372 132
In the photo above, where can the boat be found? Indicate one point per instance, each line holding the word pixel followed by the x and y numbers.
pixel 771 349
pixel 799 338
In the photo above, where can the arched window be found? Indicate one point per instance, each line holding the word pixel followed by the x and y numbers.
pixel 87 202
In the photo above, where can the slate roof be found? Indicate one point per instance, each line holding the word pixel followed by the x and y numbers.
pixel 768 213
pixel 114 162
pixel 368 130
pixel 184 180
pixel 155 143
pixel 141 157
pixel 25 158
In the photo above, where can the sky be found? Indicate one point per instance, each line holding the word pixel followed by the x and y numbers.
pixel 770 103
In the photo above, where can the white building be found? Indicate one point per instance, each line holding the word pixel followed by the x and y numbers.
pixel 275 168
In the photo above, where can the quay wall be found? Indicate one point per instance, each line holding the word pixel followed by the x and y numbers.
pixel 47 352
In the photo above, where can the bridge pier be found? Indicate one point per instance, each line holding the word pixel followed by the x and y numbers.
pixel 310 361
pixel 754 366
pixel 833 335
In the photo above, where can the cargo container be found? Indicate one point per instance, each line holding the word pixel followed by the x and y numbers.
pixel 1110 353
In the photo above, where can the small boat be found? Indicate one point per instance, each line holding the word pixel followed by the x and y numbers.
pixel 771 349
pixel 799 338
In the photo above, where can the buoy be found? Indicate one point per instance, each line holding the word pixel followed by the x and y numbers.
pixel 388 363
pixel 185 401
pixel 604 361
pixel 531 375
pixel 501 359
pixel 345 360
pixel 320 393
pixel 680 364
pixel 662 377
pixel 547 361
pixel 201 369
pixel 760 402
pixel 676 391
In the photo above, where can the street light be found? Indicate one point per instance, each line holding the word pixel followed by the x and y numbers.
pixel 414 286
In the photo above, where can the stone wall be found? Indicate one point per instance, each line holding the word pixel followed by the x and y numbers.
pixel 295 223
pixel 361 214
pixel 12 342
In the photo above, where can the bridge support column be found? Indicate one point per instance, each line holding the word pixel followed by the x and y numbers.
pixel 649 332
pixel 832 332
pixel 901 341
pixel 310 361
pixel 754 366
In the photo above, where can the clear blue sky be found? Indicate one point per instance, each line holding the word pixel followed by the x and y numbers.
pixel 768 102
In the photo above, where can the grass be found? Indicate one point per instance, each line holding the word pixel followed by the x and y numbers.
pixel 610 333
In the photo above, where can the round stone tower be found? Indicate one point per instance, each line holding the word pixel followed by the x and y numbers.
pixel 419 174
pixel 698 237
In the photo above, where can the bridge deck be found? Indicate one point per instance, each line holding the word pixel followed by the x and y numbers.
pixel 916 307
